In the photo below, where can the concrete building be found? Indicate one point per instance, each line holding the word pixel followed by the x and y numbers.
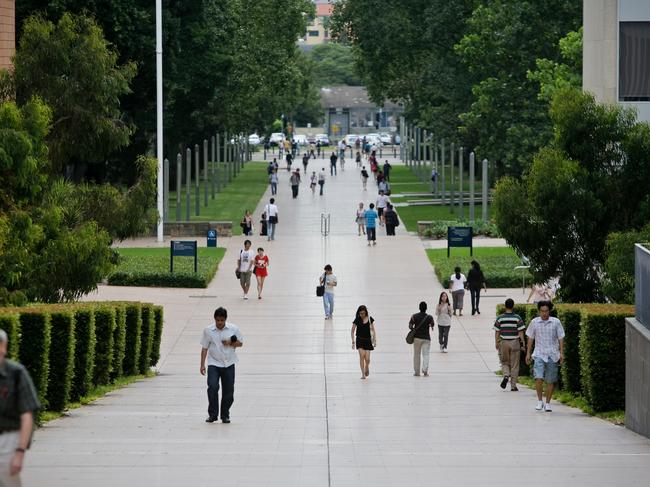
pixel 318 31
pixel 616 56
pixel 7 32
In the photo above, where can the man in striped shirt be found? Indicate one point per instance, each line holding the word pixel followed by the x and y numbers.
pixel 509 341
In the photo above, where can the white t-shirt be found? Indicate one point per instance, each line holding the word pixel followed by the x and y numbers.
pixel 321 176
pixel 382 201
pixel 330 280
pixel 457 284
pixel 246 258
pixel 271 210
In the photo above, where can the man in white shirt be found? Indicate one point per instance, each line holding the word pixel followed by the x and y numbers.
pixel 245 264
pixel 328 279
pixel 382 202
pixel 271 211
pixel 547 334
pixel 321 180
pixel 218 344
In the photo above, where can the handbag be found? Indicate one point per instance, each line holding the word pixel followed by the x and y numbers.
pixel 320 290
pixel 410 337
pixel 238 274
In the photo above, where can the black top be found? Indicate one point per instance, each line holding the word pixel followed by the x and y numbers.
pixel 364 173
pixel 17 394
pixel 363 329
pixel 424 322
pixel 475 279
pixel 333 159
pixel 391 217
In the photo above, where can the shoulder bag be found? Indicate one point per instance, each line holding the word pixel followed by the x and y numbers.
pixel 410 337
pixel 320 290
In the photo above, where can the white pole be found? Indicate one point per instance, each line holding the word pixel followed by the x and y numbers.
pixel 159 116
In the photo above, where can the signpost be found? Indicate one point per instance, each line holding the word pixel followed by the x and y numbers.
pixel 212 238
pixel 460 237
pixel 180 248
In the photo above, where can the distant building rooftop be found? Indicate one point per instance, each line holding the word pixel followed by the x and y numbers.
pixel 324 9
pixel 349 97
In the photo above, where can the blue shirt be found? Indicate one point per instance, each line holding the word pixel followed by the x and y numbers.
pixel 371 217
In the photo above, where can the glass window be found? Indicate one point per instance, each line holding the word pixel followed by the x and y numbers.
pixel 634 61
pixel 313 33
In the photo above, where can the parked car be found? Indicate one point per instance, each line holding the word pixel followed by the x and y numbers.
pixel 323 139
pixel 350 139
pixel 385 138
pixel 300 139
pixel 311 138
pixel 276 138
pixel 254 139
pixel 373 139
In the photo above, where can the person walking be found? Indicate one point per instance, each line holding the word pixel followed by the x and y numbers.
pixel 361 219
pixel 475 281
pixel 328 279
pixel 547 334
pixel 273 179
pixel 387 168
pixel 305 161
pixel 457 289
pixel 364 338
pixel 318 147
pixel 295 183
pixel 263 225
pixel 364 178
pixel 391 219
pixel 509 342
pixel 271 211
pixel 382 202
pixel 312 182
pixel 289 159
pixel 246 224
pixel 244 269
pixel 321 180
pixel 371 224
pixel 421 322
pixel 261 270
pixel 219 343
pixel 18 405
pixel 358 158
pixel 333 160
pixel 443 314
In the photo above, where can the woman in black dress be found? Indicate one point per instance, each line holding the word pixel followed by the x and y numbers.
pixel 364 338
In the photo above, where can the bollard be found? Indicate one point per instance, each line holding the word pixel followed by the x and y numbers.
pixel 179 184
pixel 472 169
pixel 188 181
pixel 485 190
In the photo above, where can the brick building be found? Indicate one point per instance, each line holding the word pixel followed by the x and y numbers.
pixel 7 32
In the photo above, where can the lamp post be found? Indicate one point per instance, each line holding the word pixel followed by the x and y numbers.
pixel 159 118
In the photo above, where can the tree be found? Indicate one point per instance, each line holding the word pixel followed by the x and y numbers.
pixel 70 66
pixel 590 181
pixel 333 64
pixel 618 281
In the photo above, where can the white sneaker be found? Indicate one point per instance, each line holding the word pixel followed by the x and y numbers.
pixel 441 348
pixel 245 296
pixel 540 405
pixel 547 407
pixel 444 350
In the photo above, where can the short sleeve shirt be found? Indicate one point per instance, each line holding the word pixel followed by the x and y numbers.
pixel 245 260
pixel 457 284
pixel 219 354
pixel 509 325
pixel 547 335
pixel 330 280
pixel 371 218
pixel 17 394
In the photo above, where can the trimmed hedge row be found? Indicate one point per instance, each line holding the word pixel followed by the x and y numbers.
pixel 160 279
pixel 69 349
pixel 594 350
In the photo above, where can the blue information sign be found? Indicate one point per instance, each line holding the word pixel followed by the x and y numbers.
pixel 460 237
pixel 180 248
pixel 212 238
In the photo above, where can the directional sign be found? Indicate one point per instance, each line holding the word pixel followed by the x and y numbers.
pixel 460 237
pixel 212 238
pixel 180 248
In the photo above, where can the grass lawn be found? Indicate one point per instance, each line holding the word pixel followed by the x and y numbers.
pixel 241 194
pixel 150 267
pixel 497 264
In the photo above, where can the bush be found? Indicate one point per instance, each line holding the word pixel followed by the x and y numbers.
pixel 61 359
pixel 35 349
pixel 84 352
pixel 570 369
pixel 438 229
pixel 158 318
pixel 104 329
pixel 146 338
pixel 10 323
pixel 119 342
pixel 159 279
pixel 602 365
pixel 132 338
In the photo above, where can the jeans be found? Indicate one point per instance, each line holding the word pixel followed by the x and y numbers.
pixel 274 188
pixel 443 335
pixel 321 184
pixel 421 349
pixel 372 233
pixel 475 296
pixel 390 229
pixel 227 376
pixel 328 303
pixel 294 190
pixel 271 230
pixel 332 169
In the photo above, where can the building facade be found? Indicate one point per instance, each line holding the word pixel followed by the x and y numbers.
pixel 616 54
pixel 7 32
pixel 318 31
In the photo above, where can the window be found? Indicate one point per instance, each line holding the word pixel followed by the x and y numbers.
pixel 313 33
pixel 634 61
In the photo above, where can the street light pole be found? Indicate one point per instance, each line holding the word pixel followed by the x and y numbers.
pixel 159 118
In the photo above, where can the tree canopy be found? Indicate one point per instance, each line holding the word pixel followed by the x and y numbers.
pixel 333 64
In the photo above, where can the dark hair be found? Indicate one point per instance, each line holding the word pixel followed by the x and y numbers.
pixel 372 205
pixel 548 304
pixel 328 267
pixel 272 200
pixel 476 265
pixel 260 248
pixel 220 312
pixel 423 306
pixel 457 271
pixel 440 298
pixel 510 303
pixel 360 309
pixel 247 242
pixel 389 206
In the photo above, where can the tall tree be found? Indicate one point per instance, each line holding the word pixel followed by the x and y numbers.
pixel 333 64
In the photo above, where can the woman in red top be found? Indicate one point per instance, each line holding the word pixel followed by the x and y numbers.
pixel 261 266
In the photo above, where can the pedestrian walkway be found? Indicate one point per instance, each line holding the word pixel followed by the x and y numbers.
pixel 302 416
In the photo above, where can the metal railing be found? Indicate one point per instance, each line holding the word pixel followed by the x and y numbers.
pixel 324 224
pixel 642 284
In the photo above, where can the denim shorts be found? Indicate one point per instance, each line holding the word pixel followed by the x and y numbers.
pixel 546 370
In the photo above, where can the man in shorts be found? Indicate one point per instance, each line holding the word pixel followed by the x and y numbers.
pixel 547 334
pixel 245 264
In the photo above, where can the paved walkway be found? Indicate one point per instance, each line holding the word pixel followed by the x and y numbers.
pixel 302 416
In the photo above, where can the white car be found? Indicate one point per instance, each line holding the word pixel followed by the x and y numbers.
pixel 385 138
pixel 300 139
pixel 373 139
pixel 276 138
pixel 254 139
pixel 323 139
pixel 350 139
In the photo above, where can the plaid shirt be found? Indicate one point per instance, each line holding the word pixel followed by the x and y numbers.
pixel 17 394
pixel 547 335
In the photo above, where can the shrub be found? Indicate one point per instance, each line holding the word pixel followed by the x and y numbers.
pixel 570 369
pixel 10 323
pixel 438 229
pixel 84 352
pixel 104 329
pixel 119 342
pixel 146 338
pixel 159 279
pixel 602 360
pixel 35 349
pixel 158 318
pixel 61 359
pixel 132 338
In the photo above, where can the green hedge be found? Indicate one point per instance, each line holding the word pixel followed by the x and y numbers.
pixel 602 365
pixel 35 340
pixel 159 279
pixel 84 352
pixel 61 359
pixel 146 338
pixel 158 319
pixel 133 332
pixel 10 323
pixel 104 329
pixel 570 369
pixel 119 341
